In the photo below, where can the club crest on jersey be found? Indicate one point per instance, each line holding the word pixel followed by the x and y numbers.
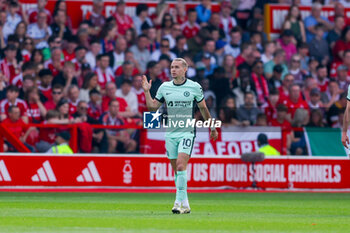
pixel 186 94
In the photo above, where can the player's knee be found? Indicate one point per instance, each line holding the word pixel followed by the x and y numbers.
pixel 180 167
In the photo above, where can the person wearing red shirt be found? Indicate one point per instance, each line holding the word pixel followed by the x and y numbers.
pixel 12 99
pixel 341 45
pixel 94 109
pixel 9 66
pixel 322 78
pixel 246 51
pixel 96 16
pixel 46 78
pixel 28 68
pixel 57 94
pixel 260 83
pixel 72 43
pixel 73 94
pixel 111 90
pixel 339 10
pixel 284 89
pixel 36 109
pixel 55 64
pixel 269 107
pixel 190 28
pixel 124 21
pixel 33 12
pixel 104 71
pixel 17 126
pixel 295 100
pixel 287 130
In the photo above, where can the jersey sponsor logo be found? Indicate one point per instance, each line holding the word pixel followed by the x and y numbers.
pixel 170 104
pixel 4 174
pixel 151 120
pixel 186 94
pixel 89 174
pixel 45 173
pixel 167 93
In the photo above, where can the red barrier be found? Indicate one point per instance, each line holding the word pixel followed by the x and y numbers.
pixel 139 171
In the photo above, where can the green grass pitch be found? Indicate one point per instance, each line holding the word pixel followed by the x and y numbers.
pixel 148 212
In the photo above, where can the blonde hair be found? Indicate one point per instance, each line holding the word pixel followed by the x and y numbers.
pixel 183 61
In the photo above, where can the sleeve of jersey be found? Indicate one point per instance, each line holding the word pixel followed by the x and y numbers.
pixel 159 96
pixel 198 94
pixel 348 97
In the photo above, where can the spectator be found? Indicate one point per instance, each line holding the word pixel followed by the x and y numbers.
pixel 28 83
pixel 154 71
pixel 210 98
pixel 59 26
pixel 265 147
pixel 246 51
pixel 129 96
pixel 9 65
pixel 164 49
pixel 269 50
pixel 296 71
pixel 66 77
pixel 214 24
pixel 295 101
pixel 137 89
pixel 316 118
pixel 28 68
pixel 335 33
pixel 71 45
pixel 275 81
pixel 203 12
pixel 108 34
pixel 94 109
pixel 61 5
pixel 255 26
pixel 318 46
pixel 95 48
pixel 103 71
pixel 286 127
pixel 278 59
pixel 40 31
pixel 303 52
pixel 227 21
pixel 57 94
pixel 260 83
pixel 342 77
pixel 174 33
pixel 111 90
pixel 181 46
pixel 54 42
pixel 36 109
pixel 339 11
pixel 95 17
pixel 73 98
pixel 315 18
pixel 301 119
pixel 331 95
pixel 55 63
pixel 12 99
pixel 127 73
pixel 190 28
pixel 315 99
pixel 152 37
pixel 124 21
pixel 117 139
pixel 117 56
pixel 322 78
pixel 270 106
pixel 90 82
pixel 62 144
pixel 332 115
pixel 17 126
pixel 228 112
pixel 247 113
pixel 208 49
pixel 294 23
pixel 141 17
pixel 219 84
pixel 27 47
pixel 229 66
pixel 12 19
pixel 33 13
pixel 286 43
pixel 310 83
pixel 140 51
pixel 233 48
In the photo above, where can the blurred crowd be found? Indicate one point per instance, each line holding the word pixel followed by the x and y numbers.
pixel 52 73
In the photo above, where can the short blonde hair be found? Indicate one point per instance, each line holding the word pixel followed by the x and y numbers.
pixel 183 61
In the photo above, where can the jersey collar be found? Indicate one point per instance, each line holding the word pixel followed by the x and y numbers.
pixel 181 83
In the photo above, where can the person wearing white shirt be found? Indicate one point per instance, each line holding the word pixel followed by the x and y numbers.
pixel 40 31
pixel 164 49
pixel 12 19
pixel 234 47
pixel 117 56
pixel 90 56
pixel 130 97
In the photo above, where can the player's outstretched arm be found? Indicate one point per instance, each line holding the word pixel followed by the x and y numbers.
pixel 206 115
pixel 152 104
pixel 344 137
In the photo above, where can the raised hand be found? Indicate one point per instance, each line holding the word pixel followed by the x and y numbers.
pixel 145 84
